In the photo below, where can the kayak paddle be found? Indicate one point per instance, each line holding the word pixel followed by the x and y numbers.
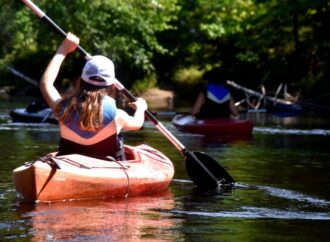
pixel 204 171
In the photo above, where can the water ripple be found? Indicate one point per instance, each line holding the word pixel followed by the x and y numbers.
pixel 323 132
pixel 293 195
pixel 257 213
pixel 29 127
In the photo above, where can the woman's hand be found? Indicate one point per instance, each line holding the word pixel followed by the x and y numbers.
pixel 140 104
pixel 135 122
pixel 69 44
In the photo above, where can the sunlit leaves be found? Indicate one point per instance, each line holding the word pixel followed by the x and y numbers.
pixel 124 30
pixel 278 39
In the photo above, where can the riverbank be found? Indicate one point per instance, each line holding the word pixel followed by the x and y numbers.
pixel 156 98
pixel 5 92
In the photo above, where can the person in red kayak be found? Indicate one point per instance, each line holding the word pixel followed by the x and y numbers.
pixel 215 100
pixel 89 120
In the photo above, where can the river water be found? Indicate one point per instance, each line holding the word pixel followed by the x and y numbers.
pixel 282 191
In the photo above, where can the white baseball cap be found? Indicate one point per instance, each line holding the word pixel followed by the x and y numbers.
pixel 99 71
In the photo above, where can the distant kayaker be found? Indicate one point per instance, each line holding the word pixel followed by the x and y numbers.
pixel 89 120
pixel 214 100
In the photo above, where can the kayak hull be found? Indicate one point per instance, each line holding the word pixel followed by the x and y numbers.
pixel 21 115
pixel 50 178
pixel 217 126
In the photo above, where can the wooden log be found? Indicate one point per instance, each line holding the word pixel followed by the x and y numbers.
pixel 257 94
pixel 22 76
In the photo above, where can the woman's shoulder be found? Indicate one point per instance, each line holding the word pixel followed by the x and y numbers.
pixel 109 107
pixel 109 102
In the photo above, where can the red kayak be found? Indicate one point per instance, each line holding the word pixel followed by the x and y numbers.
pixel 217 126
pixel 53 178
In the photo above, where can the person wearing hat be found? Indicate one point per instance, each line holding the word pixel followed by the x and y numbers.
pixel 215 100
pixel 89 120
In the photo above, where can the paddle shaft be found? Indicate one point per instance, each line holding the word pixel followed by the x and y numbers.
pixel 129 95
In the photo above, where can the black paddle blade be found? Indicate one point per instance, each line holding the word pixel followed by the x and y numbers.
pixel 206 172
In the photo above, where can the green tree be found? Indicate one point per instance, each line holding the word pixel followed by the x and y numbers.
pixel 125 31
pixel 255 40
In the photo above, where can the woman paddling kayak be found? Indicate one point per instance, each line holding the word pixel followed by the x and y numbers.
pixel 89 121
pixel 215 100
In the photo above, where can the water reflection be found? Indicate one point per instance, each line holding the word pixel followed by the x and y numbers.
pixel 302 121
pixel 286 172
pixel 131 219
pixel 253 204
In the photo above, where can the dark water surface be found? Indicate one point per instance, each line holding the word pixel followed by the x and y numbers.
pixel 283 190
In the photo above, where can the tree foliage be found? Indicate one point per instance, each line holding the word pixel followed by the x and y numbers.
pixel 257 41
pixel 254 41
pixel 123 30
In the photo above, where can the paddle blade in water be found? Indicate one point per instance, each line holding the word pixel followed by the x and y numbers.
pixel 206 172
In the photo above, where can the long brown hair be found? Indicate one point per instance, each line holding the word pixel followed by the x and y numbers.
pixel 86 100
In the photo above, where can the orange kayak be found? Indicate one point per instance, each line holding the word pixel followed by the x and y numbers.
pixel 54 178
